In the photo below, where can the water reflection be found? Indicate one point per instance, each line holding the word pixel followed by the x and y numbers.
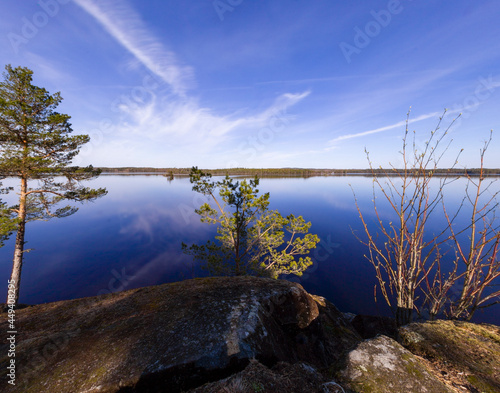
pixel 132 238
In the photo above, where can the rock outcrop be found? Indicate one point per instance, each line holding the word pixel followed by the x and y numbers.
pixel 173 337
pixel 465 355
pixel 381 365
pixel 283 377
pixel 239 335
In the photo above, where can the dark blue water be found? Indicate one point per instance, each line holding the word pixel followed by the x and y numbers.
pixel 132 238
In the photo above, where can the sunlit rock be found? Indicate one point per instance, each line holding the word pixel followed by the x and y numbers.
pixel 173 337
pixel 381 365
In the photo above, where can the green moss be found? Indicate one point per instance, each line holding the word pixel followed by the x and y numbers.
pixel 484 332
pixel 466 347
pixel 97 374
pixel 257 387
pixel 412 369
pixel 338 330
pixel 481 384
pixel 376 386
pixel 153 306
pixel 364 387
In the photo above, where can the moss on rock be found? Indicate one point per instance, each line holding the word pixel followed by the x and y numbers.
pixel 381 365
pixel 466 354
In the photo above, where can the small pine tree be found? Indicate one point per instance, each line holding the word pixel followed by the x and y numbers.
pixel 251 238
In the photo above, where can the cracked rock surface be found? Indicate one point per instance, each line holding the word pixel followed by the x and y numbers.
pixel 173 337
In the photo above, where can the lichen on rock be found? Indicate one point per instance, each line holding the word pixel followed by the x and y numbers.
pixel 381 365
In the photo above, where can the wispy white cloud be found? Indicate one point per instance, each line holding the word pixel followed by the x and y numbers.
pixel 428 74
pixel 178 121
pixel 165 132
pixel 281 104
pixel 340 138
pixel 123 23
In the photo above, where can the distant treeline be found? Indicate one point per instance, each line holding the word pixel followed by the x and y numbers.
pixel 302 172
pixel 222 172
pixel 283 172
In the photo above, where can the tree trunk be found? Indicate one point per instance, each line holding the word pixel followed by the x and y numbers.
pixel 404 316
pixel 15 277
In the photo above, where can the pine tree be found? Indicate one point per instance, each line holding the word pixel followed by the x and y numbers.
pixel 36 146
pixel 7 223
pixel 251 238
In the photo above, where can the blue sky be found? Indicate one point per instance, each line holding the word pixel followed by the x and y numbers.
pixel 241 83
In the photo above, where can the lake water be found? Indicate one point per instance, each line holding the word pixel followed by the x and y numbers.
pixel 132 238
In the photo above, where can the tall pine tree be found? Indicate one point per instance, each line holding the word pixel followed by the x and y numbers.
pixel 36 146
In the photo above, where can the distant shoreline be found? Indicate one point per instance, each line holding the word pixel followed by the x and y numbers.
pixel 289 172
pixel 284 172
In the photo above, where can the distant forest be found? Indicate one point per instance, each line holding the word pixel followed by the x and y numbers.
pixel 302 172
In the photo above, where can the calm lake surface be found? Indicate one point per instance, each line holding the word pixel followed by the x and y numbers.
pixel 132 238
